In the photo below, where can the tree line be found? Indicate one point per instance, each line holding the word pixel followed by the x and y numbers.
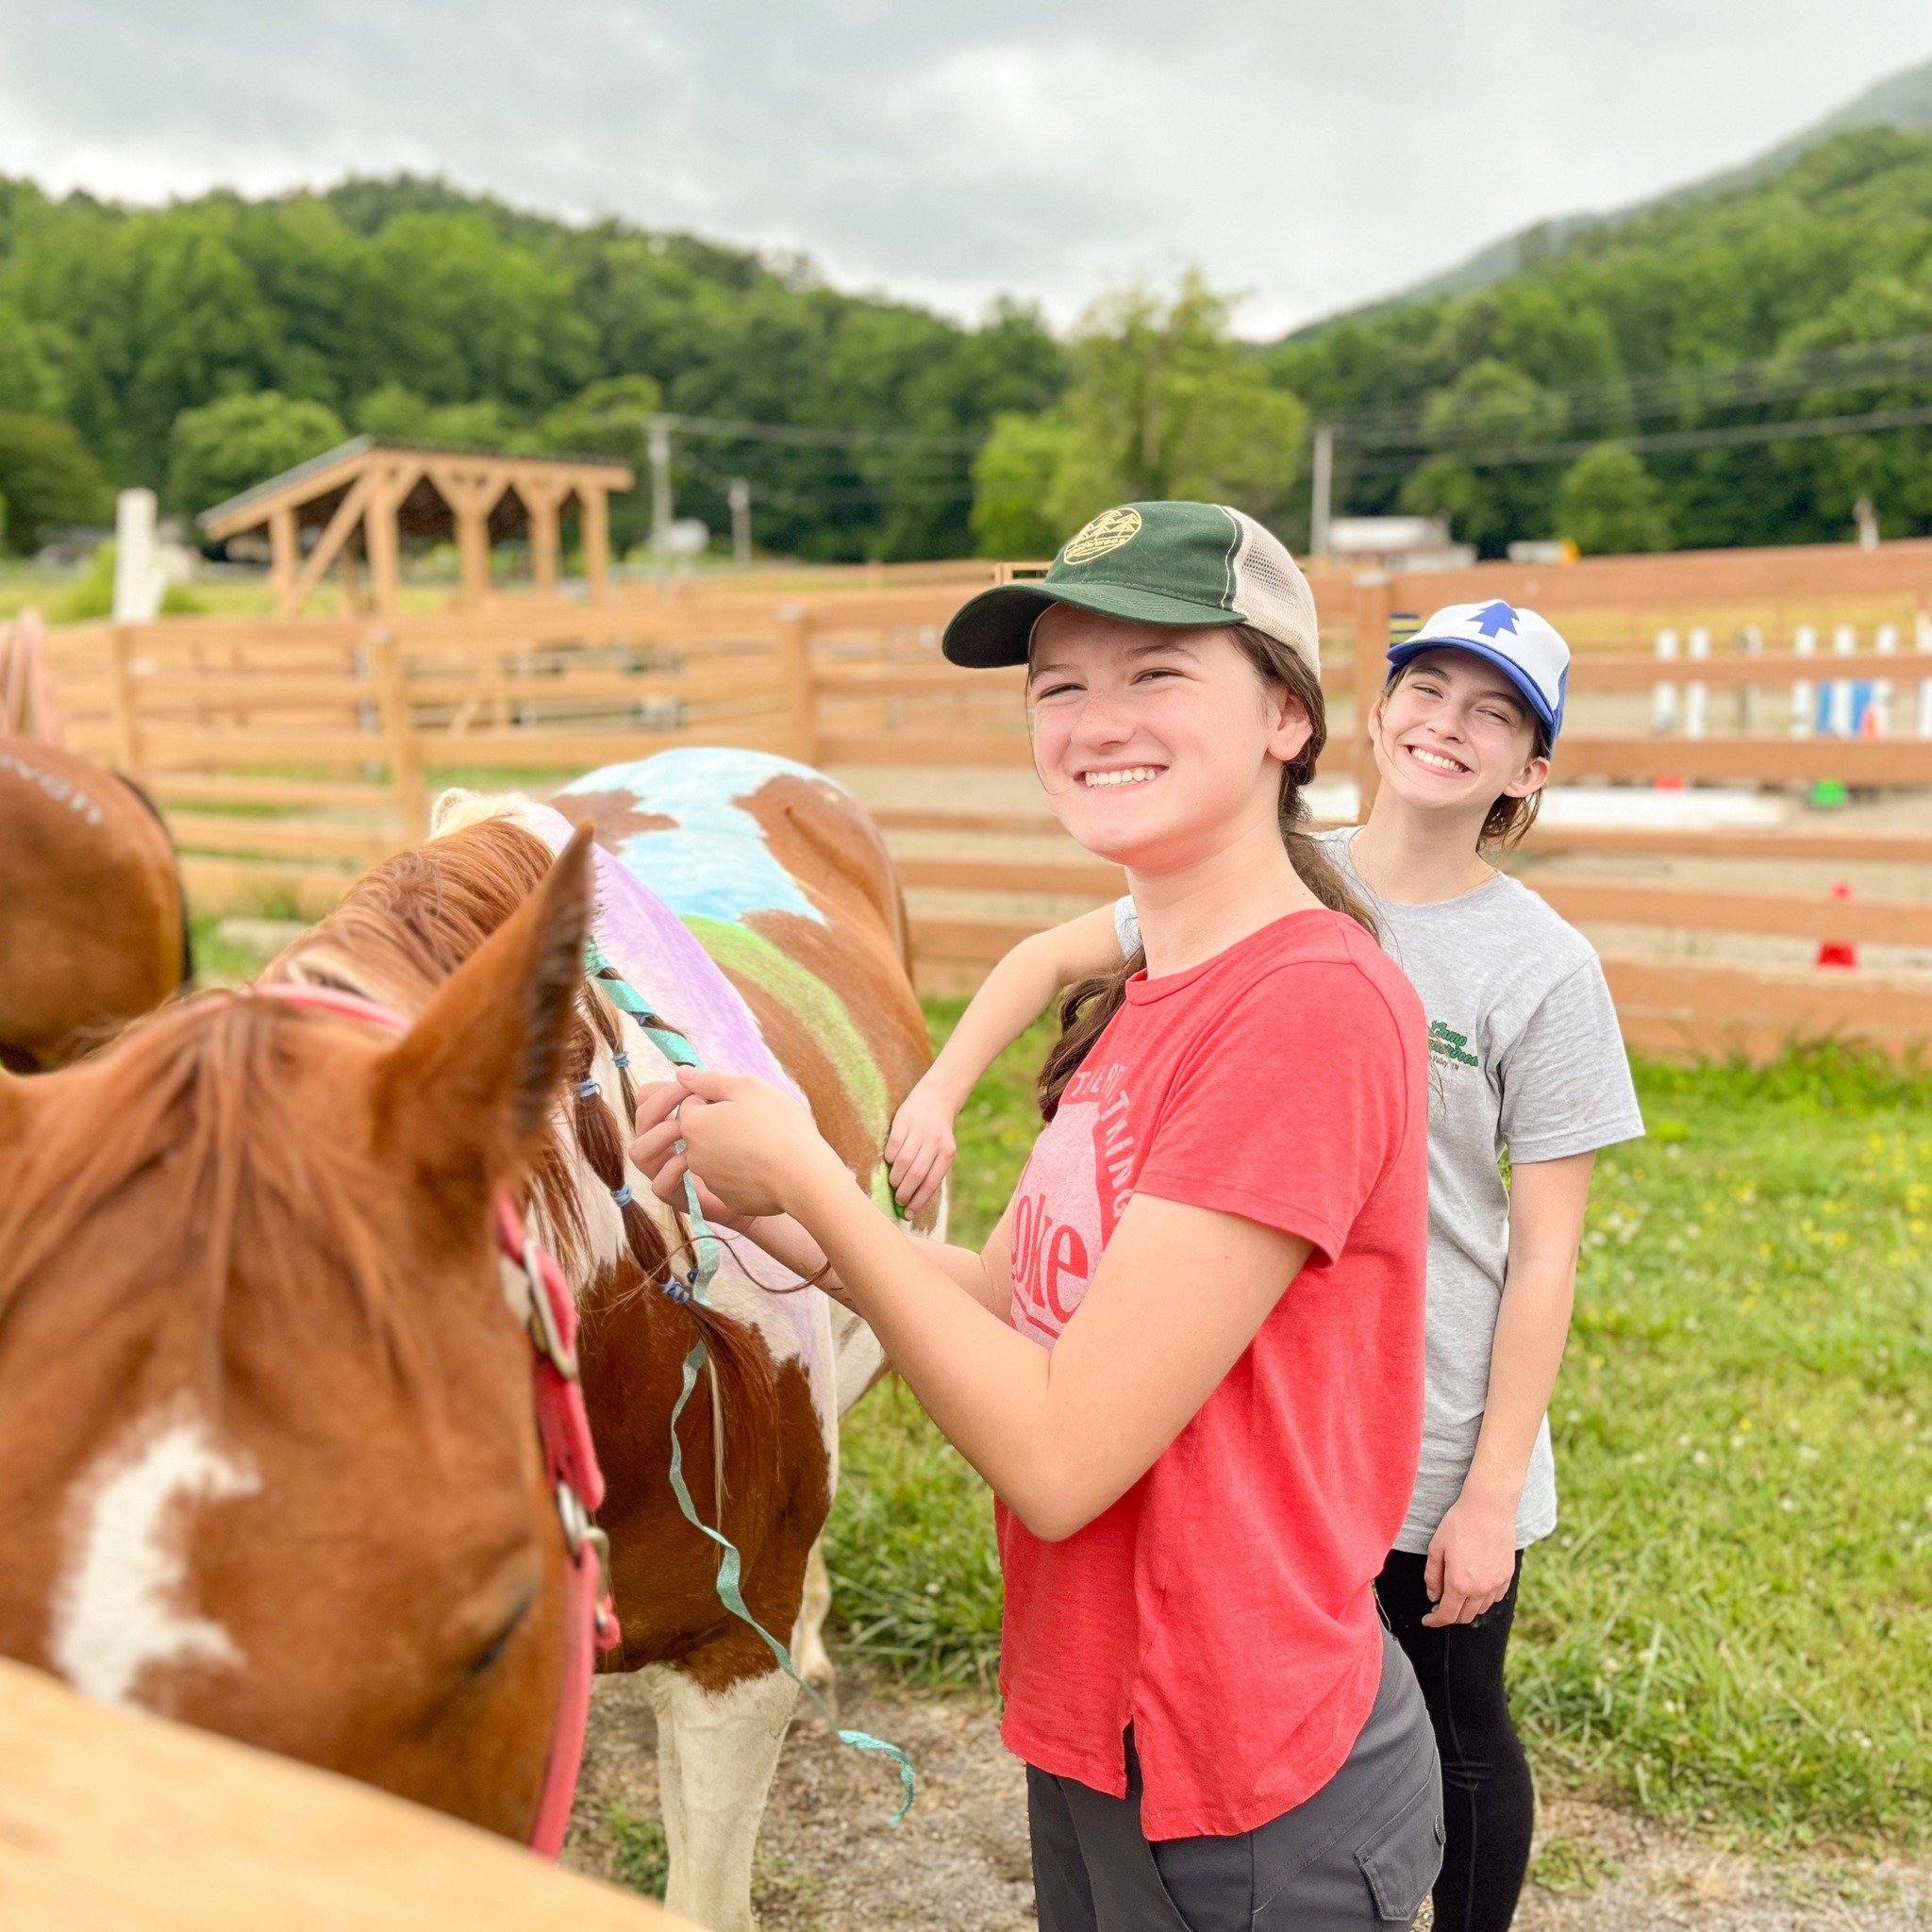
pixel 202 346
pixel 198 347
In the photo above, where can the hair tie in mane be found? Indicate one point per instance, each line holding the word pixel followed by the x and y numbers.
pixel 621 1060
pixel 588 1090
pixel 622 1195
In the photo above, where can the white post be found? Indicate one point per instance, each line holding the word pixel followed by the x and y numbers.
pixel 1886 644
pixel 1804 644
pixel 1750 699
pixel 661 481
pixel 139 580
pixel 1697 694
pixel 1322 490
pixel 1845 643
pixel 1923 640
pixel 1663 699
pixel 738 496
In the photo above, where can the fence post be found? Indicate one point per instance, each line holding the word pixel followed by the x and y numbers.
pixel 1751 642
pixel 1805 644
pixel 398 732
pixel 127 744
pixel 1369 657
pixel 1922 643
pixel 801 694
pixel 1697 694
pixel 1878 712
pixel 1664 697
pixel 1839 717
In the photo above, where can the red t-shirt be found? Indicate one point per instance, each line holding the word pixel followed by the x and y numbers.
pixel 1225 1606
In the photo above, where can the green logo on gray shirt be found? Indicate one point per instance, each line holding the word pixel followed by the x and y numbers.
pixel 1451 1046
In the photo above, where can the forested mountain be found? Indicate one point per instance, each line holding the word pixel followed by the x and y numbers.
pixel 1608 340
pixel 1902 100
pixel 410 309
pixel 201 346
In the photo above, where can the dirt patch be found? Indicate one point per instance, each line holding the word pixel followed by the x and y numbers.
pixel 829 1857
pixel 828 1861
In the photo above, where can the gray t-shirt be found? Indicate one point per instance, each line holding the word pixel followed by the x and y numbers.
pixel 1525 1055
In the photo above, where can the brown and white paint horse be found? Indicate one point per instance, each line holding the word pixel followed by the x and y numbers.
pixel 818 985
pixel 270 1463
pixel 92 928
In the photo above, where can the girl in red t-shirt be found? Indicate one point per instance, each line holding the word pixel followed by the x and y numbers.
pixel 1189 1359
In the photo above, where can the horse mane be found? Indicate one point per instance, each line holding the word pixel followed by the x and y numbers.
pixel 256 1189
pixel 402 929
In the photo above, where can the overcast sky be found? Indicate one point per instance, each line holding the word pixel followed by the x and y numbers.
pixel 1308 156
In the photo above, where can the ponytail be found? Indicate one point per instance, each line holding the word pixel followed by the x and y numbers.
pixel 1089 1005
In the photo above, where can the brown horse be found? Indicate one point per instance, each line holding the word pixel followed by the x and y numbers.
pixel 271 1463
pixel 822 994
pixel 94 931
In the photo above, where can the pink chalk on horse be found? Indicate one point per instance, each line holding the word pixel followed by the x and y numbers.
pixel 812 991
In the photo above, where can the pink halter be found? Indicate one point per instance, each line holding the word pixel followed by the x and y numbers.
pixel 570 1458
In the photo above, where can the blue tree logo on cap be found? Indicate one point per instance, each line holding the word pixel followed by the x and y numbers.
pixel 1493 619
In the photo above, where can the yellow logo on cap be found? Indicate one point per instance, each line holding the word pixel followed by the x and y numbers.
pixel 1107 531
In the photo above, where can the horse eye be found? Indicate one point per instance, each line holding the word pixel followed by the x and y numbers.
pixel 493 1651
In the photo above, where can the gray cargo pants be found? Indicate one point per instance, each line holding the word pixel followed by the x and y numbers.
pixel 1361 1853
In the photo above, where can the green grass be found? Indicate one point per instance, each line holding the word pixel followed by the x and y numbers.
pixel 641 1859
pixel 1733 1625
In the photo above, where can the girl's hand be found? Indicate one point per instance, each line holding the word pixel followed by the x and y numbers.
pixel 921 1146
pixel 751 1146
pixel 1472 1560
pixel 657 1155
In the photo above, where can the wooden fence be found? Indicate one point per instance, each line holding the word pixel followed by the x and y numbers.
pixel 289 756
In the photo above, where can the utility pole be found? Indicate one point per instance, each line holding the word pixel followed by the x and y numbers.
pixel 738 496
pixel 1322 490
pixel 660 480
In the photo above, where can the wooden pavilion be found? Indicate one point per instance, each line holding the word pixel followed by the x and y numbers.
pixel 362 498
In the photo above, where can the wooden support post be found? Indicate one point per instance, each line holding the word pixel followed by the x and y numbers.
pixel 1366 667
pixel 339 531
pixel 285 558
pixel 473 548
pixel 595 499
pixel 543 502
pixel 386 673
pixel 383 540
pixel 121 696
pixel 349 575
pixel 801 691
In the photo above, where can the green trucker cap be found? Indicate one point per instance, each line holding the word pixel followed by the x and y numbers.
pixel 1179 564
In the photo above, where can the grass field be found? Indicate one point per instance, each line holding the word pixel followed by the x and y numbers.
pixel 1733 1625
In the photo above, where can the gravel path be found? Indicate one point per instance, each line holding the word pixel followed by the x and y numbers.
pixel 828 1861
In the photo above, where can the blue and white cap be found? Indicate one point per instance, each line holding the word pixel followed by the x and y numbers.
pixel 1525 646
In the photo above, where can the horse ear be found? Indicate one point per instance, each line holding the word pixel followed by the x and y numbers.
pixel 468 1094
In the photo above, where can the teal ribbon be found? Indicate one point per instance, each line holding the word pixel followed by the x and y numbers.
pixel 706 1253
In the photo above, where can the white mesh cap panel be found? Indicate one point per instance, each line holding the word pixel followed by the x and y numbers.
pixel 1271 592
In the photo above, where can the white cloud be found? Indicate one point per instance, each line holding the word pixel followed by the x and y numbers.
pixel 1309 154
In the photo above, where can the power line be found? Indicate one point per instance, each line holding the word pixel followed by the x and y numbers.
pixel 1798 428
pixel 910 489
pixel 851 437
pixel 1729 386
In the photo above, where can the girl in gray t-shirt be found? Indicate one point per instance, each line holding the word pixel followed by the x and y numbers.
pixel 1527 1061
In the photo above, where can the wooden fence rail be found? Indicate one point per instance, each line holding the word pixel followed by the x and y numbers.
pixel 290 755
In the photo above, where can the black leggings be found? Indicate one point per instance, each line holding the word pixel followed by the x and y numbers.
pixel 1489 1806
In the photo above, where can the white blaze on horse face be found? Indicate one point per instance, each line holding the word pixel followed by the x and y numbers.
pixel 122 1608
